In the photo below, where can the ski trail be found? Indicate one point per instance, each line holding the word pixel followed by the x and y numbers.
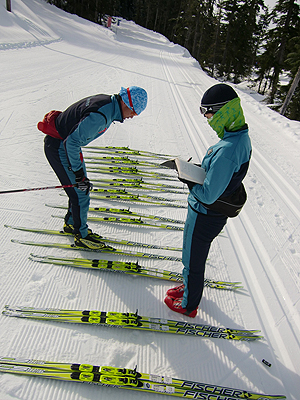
pixel 187 118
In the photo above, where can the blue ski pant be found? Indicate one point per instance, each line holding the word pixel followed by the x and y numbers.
pixel 79 201
pixel 199 232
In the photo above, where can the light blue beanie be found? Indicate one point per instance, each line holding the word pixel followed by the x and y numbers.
pixel 135 98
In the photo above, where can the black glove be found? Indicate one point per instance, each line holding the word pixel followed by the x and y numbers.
pixel 189 183
pixel 83 183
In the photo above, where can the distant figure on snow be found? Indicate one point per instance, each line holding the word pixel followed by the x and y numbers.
pixel 81 123
pixel 222 194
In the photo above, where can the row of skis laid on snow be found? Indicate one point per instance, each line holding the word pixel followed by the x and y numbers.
pixel 116 266
pixel 119 163
pixel 128 379
pixel 123 378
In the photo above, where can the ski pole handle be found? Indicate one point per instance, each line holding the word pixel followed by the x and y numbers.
pixel 41 188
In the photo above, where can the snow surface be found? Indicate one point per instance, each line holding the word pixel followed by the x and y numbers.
pixel 50 59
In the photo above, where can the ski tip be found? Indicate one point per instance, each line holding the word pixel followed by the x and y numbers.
pixel 251 338
pixel 250 332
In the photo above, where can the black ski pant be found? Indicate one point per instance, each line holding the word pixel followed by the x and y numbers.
pixel 78 200
pixel 199 232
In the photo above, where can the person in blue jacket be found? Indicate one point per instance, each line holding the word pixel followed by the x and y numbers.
pixel 77 126
pixel 222 194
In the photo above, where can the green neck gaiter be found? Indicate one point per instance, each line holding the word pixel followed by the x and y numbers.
pixel 229 117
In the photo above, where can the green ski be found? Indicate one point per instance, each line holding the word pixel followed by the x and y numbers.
pixel 109 250
pixel 125 211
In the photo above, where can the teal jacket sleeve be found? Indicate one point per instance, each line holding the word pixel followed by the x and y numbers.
pixel 221 162
pixel 216 181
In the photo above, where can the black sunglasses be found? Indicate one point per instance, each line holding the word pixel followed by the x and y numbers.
pixel 212 109
pixel 203 110
pixel 206 110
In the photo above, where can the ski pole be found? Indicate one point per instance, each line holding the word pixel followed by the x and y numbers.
pixel 41 188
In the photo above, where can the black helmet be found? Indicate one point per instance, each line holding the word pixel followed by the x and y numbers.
pixel 216 97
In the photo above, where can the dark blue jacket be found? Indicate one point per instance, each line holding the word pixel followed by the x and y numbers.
pixel 84 121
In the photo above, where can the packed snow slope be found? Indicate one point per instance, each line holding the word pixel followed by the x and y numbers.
pixel 50 59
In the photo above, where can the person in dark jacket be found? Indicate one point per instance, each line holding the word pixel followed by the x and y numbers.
pixel 222 194
pixel 77 126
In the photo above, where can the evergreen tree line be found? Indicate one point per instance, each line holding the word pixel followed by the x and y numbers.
pixel 232 40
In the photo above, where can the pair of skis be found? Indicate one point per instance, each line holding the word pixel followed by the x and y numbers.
pixel 135 222
pixel 103 238
pixel 129 268
pixel 129 379
pixel 103 249
pixel 135 198
pixel 130 321
pixel 99 249
pixel 142 196
pixel 125 151
pixel 131 221
pixel 127 211
pixel 132 171
pixel 121 160
pixel 131 185
pixel 137 182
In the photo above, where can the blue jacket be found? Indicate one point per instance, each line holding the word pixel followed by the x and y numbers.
pixel 84 122
pixel 226 164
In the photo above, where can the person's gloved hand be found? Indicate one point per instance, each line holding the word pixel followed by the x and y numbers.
pixel 189 183
pixel 83 183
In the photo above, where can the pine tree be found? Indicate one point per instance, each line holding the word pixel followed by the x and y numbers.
pixel 285 16
pixel 207 35
pixel 292 105
pixel 240 35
